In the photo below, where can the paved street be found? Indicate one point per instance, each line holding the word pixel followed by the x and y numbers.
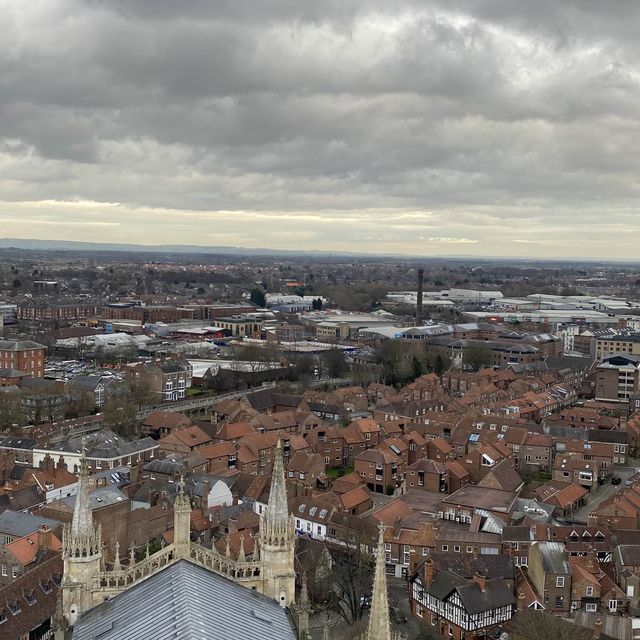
pixel 603 492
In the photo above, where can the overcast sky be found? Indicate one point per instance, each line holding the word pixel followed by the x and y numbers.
pixel 433 127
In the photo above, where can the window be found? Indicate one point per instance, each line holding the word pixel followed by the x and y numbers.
pixel 469 549
pixel 613 605
pixel 591 607
pixel 489 551
pixel 425 551
pixel 559 581
pixel 589 591
pixel 445 547
pixel 456 548
pixel 559 602
pixel 4 569
pixel 419 611
pixel 14 572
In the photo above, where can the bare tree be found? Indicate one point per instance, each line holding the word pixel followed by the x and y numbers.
pixel 141 392
pixel 119 412
pixel 477 357
pixel 352 579
pixel 12 417
pixel 334 363
pixel 352 572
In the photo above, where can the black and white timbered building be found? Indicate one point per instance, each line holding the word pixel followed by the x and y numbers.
pixel 460 608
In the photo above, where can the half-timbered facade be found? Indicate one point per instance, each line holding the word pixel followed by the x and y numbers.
pixel 459 608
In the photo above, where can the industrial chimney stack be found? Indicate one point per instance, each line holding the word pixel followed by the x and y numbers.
pixel 419 298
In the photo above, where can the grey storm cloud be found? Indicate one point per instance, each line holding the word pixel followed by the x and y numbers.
pixel 486 127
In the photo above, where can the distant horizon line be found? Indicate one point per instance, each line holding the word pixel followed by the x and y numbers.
pixel 46 244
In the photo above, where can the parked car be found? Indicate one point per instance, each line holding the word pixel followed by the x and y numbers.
pixel 616 480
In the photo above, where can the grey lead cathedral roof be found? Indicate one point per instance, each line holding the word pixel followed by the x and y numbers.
pixel 185 602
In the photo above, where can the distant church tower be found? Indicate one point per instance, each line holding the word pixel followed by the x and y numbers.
pixel 278 540
pixel 81 553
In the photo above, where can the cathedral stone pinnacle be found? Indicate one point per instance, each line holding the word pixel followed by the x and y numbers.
pixel 82 522
pixel 379 627
pixel 278 538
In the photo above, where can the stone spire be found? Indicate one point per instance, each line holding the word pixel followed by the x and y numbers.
pixel 379 626
pixel 81 552
pixel 303 610
pixel 241 555
pixel 117 565
pixel 82 522
pixel 182 520
pixel 278 539
pixel 80 538
pixel 276 521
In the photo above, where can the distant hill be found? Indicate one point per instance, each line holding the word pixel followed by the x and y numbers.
pixel 73 245
pixel 189 249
